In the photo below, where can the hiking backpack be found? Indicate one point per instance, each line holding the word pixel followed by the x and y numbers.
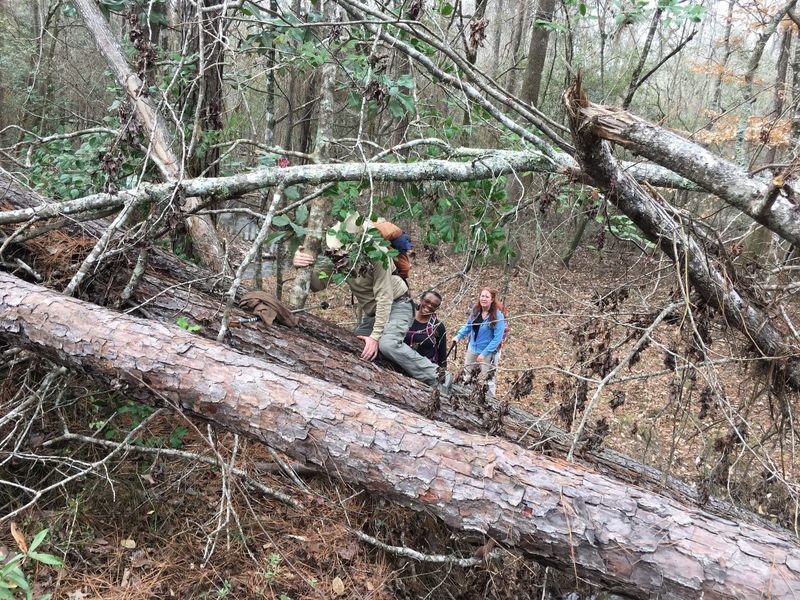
pixel 400 242
pixel 502 309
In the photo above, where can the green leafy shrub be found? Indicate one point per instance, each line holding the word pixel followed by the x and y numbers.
pixel 13 576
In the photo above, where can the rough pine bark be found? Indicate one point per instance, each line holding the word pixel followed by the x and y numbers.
pixel 623 537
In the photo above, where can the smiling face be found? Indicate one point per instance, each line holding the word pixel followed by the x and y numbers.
pixel 485 300
pixel 428 305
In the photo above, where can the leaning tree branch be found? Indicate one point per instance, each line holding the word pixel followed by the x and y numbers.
pixel 672 53
pixel 201 228
pixel 659 224
pixel 757 197
pixel 490 164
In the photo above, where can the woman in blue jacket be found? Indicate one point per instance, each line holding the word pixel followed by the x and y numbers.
pixel 485 327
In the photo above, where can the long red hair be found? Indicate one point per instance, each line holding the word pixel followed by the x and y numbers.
pixel 476 310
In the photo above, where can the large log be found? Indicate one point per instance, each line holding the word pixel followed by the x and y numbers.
pixel 327 352
pixel 559 513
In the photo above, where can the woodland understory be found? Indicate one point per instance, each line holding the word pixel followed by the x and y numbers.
pixel 622 171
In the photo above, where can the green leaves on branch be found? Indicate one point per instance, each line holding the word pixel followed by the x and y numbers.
pixel 625 229
pixel 66 169
pixel 467 214
pixel 630 12
pixel 383 91
pixel 184 324
pixel 13 578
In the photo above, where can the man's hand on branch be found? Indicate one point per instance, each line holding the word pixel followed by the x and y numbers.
pixel 370 351
pixel 302 258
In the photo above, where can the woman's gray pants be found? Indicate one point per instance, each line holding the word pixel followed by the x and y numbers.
pixel 488 368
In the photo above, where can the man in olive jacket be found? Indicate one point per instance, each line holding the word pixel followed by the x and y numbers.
pixel 385 309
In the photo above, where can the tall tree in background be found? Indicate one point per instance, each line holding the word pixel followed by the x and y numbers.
pixel 202 97
pixel 779 91
pixel 537 51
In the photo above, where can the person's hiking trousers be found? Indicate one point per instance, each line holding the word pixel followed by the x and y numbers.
pixel 392 343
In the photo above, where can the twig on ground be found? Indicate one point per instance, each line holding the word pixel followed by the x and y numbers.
pixel 457 561
pixel 246 478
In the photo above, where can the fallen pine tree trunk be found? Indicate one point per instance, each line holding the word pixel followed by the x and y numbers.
pixel 172 287
pixel 558 513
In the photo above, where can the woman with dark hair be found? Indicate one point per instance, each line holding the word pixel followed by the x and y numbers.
pixel 485 327
pixel 427 334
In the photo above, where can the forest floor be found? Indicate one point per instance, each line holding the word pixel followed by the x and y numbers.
pixel 162 526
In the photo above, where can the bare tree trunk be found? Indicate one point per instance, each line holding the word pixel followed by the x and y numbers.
pixel 779 92
pixel 569 48
pixel 269 138
pixel 518 186
pixel 37 109
pixel 206 101
pixel 470 49
pixel 752 65
pixel 309 88
pixel 580 227
pixel 202 230
pixel 498 36
pixel 517 33
pixel 571 517
pixel 537 52
pixel 759 243
pixel 794 137
pixel 633 84
pixel 716 101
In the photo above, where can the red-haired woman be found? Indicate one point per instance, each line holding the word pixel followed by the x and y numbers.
pixel 485 327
